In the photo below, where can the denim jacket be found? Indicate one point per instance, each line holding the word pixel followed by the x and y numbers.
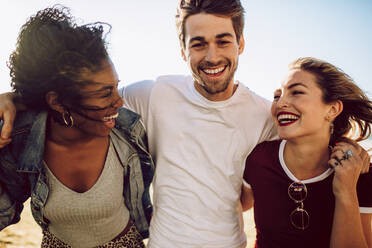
pixel 22 174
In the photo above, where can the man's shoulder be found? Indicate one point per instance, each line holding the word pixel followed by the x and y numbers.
pixel 145 87
pixel 250 95
pixel 173 79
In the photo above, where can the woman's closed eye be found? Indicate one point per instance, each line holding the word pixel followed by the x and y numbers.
pixel 277 94
pixel 297 92
pixel 107 94
pixel 276 97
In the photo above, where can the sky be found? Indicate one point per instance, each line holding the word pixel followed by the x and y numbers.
pixel 143 43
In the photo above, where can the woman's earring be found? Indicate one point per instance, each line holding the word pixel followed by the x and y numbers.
pixel 67 119
pixel 332 128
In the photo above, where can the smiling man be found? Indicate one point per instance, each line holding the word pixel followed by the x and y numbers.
pixel 201 128
pixel 211 48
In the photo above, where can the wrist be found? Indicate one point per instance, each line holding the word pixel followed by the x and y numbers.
pixel 346 197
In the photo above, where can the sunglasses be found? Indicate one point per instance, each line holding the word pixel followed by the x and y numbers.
pixel 299 217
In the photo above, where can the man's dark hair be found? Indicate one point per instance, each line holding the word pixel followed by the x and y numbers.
pixel 224 8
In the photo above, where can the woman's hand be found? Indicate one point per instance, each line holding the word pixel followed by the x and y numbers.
pixel 347 163
pixel 348 160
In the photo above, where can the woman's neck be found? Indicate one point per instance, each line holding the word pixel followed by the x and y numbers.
pixel 66 136
pixel 307 159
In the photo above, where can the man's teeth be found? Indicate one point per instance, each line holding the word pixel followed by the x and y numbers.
pixel 214 71
pixel 108 118
pixel 286 118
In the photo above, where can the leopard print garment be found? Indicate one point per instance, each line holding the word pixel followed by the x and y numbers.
pixel 131 239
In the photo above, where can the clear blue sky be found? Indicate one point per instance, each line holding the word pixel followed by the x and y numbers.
pixel 144 44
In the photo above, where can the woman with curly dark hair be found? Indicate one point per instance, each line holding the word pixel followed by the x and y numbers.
pixel 81 158
pixel 308 188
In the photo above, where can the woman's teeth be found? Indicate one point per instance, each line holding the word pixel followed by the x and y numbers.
pixel 287 118
pixel 111 117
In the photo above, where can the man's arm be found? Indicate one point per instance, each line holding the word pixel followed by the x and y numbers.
pixel 136 97
pixel 7 115
pixel 246 197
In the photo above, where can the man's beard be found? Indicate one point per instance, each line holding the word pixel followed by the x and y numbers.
pixel 210 88
pixel 213 90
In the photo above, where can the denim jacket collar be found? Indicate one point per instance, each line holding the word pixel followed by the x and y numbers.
pixel 30 158
pixel 127 121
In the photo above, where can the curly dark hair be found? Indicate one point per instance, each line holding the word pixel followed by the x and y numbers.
pixel 52 52
pixel 337 85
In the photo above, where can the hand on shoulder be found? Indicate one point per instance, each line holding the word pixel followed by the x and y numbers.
pixel 7 115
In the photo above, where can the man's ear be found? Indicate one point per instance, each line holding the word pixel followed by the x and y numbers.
pixel 183 54
pixel 52 100
pixel 335 109
pixel 241 44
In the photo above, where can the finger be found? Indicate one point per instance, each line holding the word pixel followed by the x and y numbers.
pixel 347 150
pixel 8 124
pixel 347 158
pixel 338 149
pixel 345 146
pixel 353 163
pixel 334 163
pixel 4 142
pixel 338 155
pixel 346 141
pixel 349 145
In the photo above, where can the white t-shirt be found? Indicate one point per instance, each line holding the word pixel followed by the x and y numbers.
pixel 199 147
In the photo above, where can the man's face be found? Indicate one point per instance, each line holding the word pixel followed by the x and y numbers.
pixel 212 52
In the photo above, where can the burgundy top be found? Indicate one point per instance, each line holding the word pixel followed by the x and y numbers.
pixel 269 178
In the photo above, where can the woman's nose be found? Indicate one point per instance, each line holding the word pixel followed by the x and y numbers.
pixel 283 102
pixel 119 101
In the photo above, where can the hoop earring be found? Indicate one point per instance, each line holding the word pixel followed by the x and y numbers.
pixel 67 119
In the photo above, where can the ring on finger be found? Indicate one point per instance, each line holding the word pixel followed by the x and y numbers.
pixel 347 155
pixel 336 163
